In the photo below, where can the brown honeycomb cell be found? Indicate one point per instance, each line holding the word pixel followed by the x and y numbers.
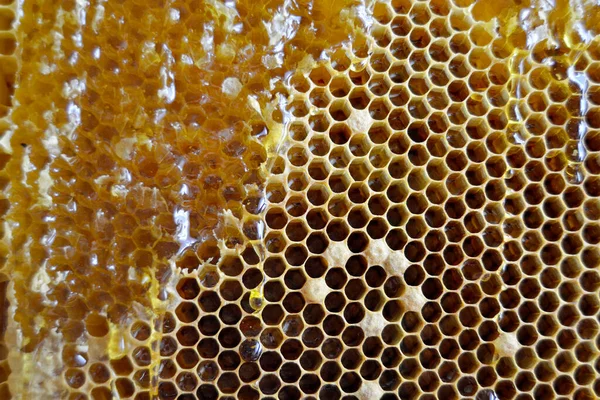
pixel 300 200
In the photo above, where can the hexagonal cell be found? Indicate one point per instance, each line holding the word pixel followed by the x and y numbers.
pixel 320 76
pixel 379 109
pixel 379 181
pixel 230 290
pixel 358 217
pixel 379 157
pixel 380 62
pixel 188 288
pixel 276 192
pixel 379 85
pixel 275 242
pixel 339 157
pixel 358 193
pixel 437 99
pixel 359 98
pixel 439 51
pixel 479 59
pixel 318 170
pixel 337 230
pixel 297 156
pixel 418 108
pixel 458 91
pixel 401 48
pixel 318 194
pixel 339 182
pixel 420 38
pixel 340 86
pixel 296 230
pixel 537 101
pixel 360 77
pixel 317 218
pixel 419 85
pixel 297 181
pixel 298 108
pixel 319 146
pixel 399 95
pixel 272 314
pixel 379 133
pixel 340 133
pixel 318 122
pixel 340 110
pixel 320 97
pixel 275 218
pixel 477 105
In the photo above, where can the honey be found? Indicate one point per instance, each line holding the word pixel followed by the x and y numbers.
pixel 300 199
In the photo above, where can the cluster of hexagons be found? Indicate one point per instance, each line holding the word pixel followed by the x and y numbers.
pixel 293 345
pixel 105 167
pixel 152 123
pixel 479 166
pixel 431 225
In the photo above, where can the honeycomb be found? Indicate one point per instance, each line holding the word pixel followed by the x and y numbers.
pixel 345 199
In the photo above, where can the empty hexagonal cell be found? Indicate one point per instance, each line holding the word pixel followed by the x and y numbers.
pixel 318 122
pixel 419 85
pixel 230 290
pixel 296 254
pixel 420 60
pixel 379 85
pixel 340 86
pixel 340 110
pixel 187 312
pixel 319 97
pixel 318 170
pixel 276 192
pixel 337 230
pixel 319 146
pixel 418 109
pixel 298 131
pixel 276 218
pixel 478 105
pixel 359 77
pixel 439 51
pixel 297 181
pixel 297 156
pixel 320 76
pixel 380 62
pixel 420 38
pixel 359 98
pixel 317 218
pixel 298 108
pixel 295 279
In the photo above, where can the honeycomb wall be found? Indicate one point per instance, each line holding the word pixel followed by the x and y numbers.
pixel 428 229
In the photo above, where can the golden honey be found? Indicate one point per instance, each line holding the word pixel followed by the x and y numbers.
pixel 351 199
